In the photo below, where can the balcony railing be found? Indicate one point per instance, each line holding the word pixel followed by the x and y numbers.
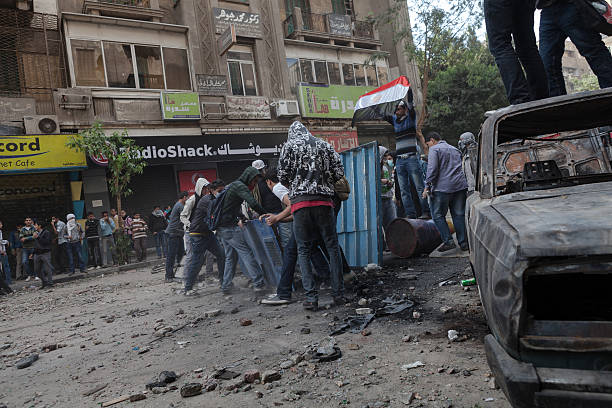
pixel 133 9
pixel 302 23
pixel 131 3
pixel 315 22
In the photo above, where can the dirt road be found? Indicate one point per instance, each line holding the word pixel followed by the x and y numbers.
pixel 105 330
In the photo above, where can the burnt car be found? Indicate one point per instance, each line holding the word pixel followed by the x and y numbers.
pixel 540 235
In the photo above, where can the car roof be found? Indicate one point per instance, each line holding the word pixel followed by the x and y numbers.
pixel 584 110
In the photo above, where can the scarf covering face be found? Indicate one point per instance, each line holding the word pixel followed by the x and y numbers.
pixel 71 223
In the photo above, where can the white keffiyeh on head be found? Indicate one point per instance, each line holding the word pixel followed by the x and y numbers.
pixel 71 223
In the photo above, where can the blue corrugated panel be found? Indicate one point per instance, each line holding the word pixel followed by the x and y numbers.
pixel 359 226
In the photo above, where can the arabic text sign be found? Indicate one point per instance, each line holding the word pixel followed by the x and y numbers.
pixel 247 24
pixel 212 84
pixel 180 106
pixel 23 154
pixel 247 107
pixel 330 101
pixel 340 25
pixel 340 140
pixel 198 149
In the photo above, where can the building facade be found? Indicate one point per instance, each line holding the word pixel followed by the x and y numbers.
pixel 204 86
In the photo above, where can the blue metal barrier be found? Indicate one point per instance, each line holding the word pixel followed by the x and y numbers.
pixel 359 220
pixel 262 241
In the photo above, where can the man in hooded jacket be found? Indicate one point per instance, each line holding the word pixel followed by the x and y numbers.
pixel 230 229
pixel 310 168
pixel 187 216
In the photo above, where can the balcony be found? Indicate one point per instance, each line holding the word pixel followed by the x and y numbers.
pixel 332 29
pixel 147 10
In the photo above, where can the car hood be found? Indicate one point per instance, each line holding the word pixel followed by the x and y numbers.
pixel 560 222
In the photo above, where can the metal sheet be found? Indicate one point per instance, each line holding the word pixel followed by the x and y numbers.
pixel 359 223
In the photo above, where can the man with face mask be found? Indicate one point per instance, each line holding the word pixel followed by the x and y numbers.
pixel 389 212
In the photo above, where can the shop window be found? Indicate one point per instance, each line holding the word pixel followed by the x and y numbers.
pixel 119 65
pixel 241 68
pixel 149 66
pixel 348 74
pixel 383 75
pixel 371 75
pixel 306 71
pixel 176 65
pixel 334 73
pixel 360 78
pixel 88 63
pixel 294 74
pixel 321 72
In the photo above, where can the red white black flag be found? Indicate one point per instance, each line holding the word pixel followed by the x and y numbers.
pixel 383 100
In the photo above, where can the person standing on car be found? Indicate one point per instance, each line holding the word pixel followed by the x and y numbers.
pixel 157 225
pixel 446 187
pixel 511 22
pixel 559 20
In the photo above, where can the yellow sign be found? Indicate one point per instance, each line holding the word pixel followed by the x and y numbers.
pixel 25 154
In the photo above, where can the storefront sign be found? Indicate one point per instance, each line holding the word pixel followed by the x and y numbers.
pixel 138 110
pixel 330 101
pixel 32 186
pixel 340 140
pixel 213 85
pixel 188 179
pixel 247 24
pixel 227 39
pixel 339 25
pixel 210 148
pixel 180 106
pixel 247 107
pixel 24 154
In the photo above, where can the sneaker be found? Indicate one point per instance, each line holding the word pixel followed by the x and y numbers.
pixel 447 246
pixel 259 288
pixel 191 292
pixel 36 278
pixel 29 278
pixel 465 248
pixel 91 268
pixel 312 306
pixel 98 267
pixel 275 301
pixel 339 301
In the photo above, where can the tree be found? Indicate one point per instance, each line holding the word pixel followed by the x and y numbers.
pixel 432 42
pixel 124 162
pixel 461 94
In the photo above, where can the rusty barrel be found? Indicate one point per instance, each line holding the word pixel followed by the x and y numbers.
pixel 407 237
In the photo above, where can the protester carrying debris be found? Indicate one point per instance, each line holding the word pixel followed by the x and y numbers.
pixel 559 20
pixel 157 225
pixel 230 229
pixel 42 254
pixel 107 241
pixel 202 239
pixel 175 233
pixel 74 236
pixel 310 168
pixel 467 142
pixel 26 236
pixel 6 269
pixel 447 189
pixel 511 22
pixel 187 215
pixel 139 234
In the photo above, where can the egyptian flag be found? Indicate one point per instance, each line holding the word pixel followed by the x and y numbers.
pixel 382 101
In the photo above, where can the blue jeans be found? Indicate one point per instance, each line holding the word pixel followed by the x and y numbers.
pixel 389 212
pixel 441 203
pixel 25 260
pixel 175 253
pixel 73 251
pixel 312 225
pixel 409 174
pixel 160 243
pixel 6 269
pixel 509 20
pixel 562 20
pixel 199 246
pixel 236 247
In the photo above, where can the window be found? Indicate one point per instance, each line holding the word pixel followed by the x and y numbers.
pixel 371 75
pixel 176 65
pixel 242 70
pixel 307 73
pixel 119 65
pixel 383 75
pixel 88 63
pixel 321 72
pixel 334 73
pixel 360 78
pixel 294 74
pixel 149 65
pixel 348 74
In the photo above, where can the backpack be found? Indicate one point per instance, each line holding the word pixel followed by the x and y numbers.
pixel 343 189
pixel 596 14
pixel 213 216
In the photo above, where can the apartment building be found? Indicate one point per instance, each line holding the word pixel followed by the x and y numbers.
pixel 204 86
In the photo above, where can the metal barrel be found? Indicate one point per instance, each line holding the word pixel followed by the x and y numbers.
pixel 407 237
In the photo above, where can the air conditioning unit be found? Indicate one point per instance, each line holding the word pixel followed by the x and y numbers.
pixel 213 110
pixel 41 124
pixel 287 108
pixel 74 101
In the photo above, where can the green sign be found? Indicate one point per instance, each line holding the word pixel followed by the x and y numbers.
pixel 180 106
pixel 330 101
